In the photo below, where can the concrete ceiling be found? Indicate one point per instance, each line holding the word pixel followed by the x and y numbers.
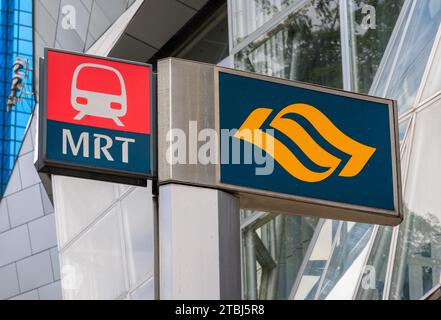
pixel 154 24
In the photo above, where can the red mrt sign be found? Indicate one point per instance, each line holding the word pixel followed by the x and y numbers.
pixel 96 117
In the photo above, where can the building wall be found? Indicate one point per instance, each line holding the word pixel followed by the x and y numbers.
pixel 29 266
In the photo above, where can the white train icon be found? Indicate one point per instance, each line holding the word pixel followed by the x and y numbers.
pixel 97 104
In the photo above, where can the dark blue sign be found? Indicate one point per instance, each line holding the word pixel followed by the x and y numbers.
pixel 325 144
pixel 98 148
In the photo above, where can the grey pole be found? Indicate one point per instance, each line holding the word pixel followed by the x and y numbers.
pixel 199 227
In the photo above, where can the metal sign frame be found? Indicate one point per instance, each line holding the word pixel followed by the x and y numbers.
pixel 265 200
pixel 85 171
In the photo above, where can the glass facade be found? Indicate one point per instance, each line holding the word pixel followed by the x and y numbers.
pixel 16 40
pixel 385 48
pixel 369 24
pixel 413 264
pixel 273 249
pixel 293 49
pixel 248 16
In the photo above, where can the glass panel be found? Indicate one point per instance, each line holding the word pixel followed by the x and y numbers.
pixel 209 43
pixel 249 15
pixel 403 127
pixel 340 251
pixel 145 291
pixel 305 47
pixel 92 267
pixel 138 221
pixel 405 152
pixel 347 262
pixel 419 240
pixel 78 202
pixel 310 279
pixel 433 83
pixel 374 277
pixel 371 23
pixel 272 254
pixel 413 57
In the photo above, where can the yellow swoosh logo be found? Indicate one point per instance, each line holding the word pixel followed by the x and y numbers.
pixel 251 132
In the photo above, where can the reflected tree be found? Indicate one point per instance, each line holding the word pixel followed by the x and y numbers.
pixel 418 258
pixel 305 47
pixel 369 42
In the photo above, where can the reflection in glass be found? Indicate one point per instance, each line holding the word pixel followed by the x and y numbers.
pixel 305 47
pixel 316 265
pixel 433 83
pixel 209 43
pixel 417 264
pixel 371 23
pixel 137 210
pixel 414 54
pixel 93 265
pixel 273 249
pixel 346 263
pixel 418 252
pixel 78 202
pixel 381 81
pixel 336 261
pixel 376 267
pixel 403 128
pixel 249 15
pixel 420 25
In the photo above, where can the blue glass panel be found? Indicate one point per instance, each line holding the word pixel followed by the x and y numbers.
pixel 19 134
pixel 24 33
pixel 25 46
pixel 25 5
pixel 25 18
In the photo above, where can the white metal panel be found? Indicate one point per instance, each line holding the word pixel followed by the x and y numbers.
pixel 192 231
